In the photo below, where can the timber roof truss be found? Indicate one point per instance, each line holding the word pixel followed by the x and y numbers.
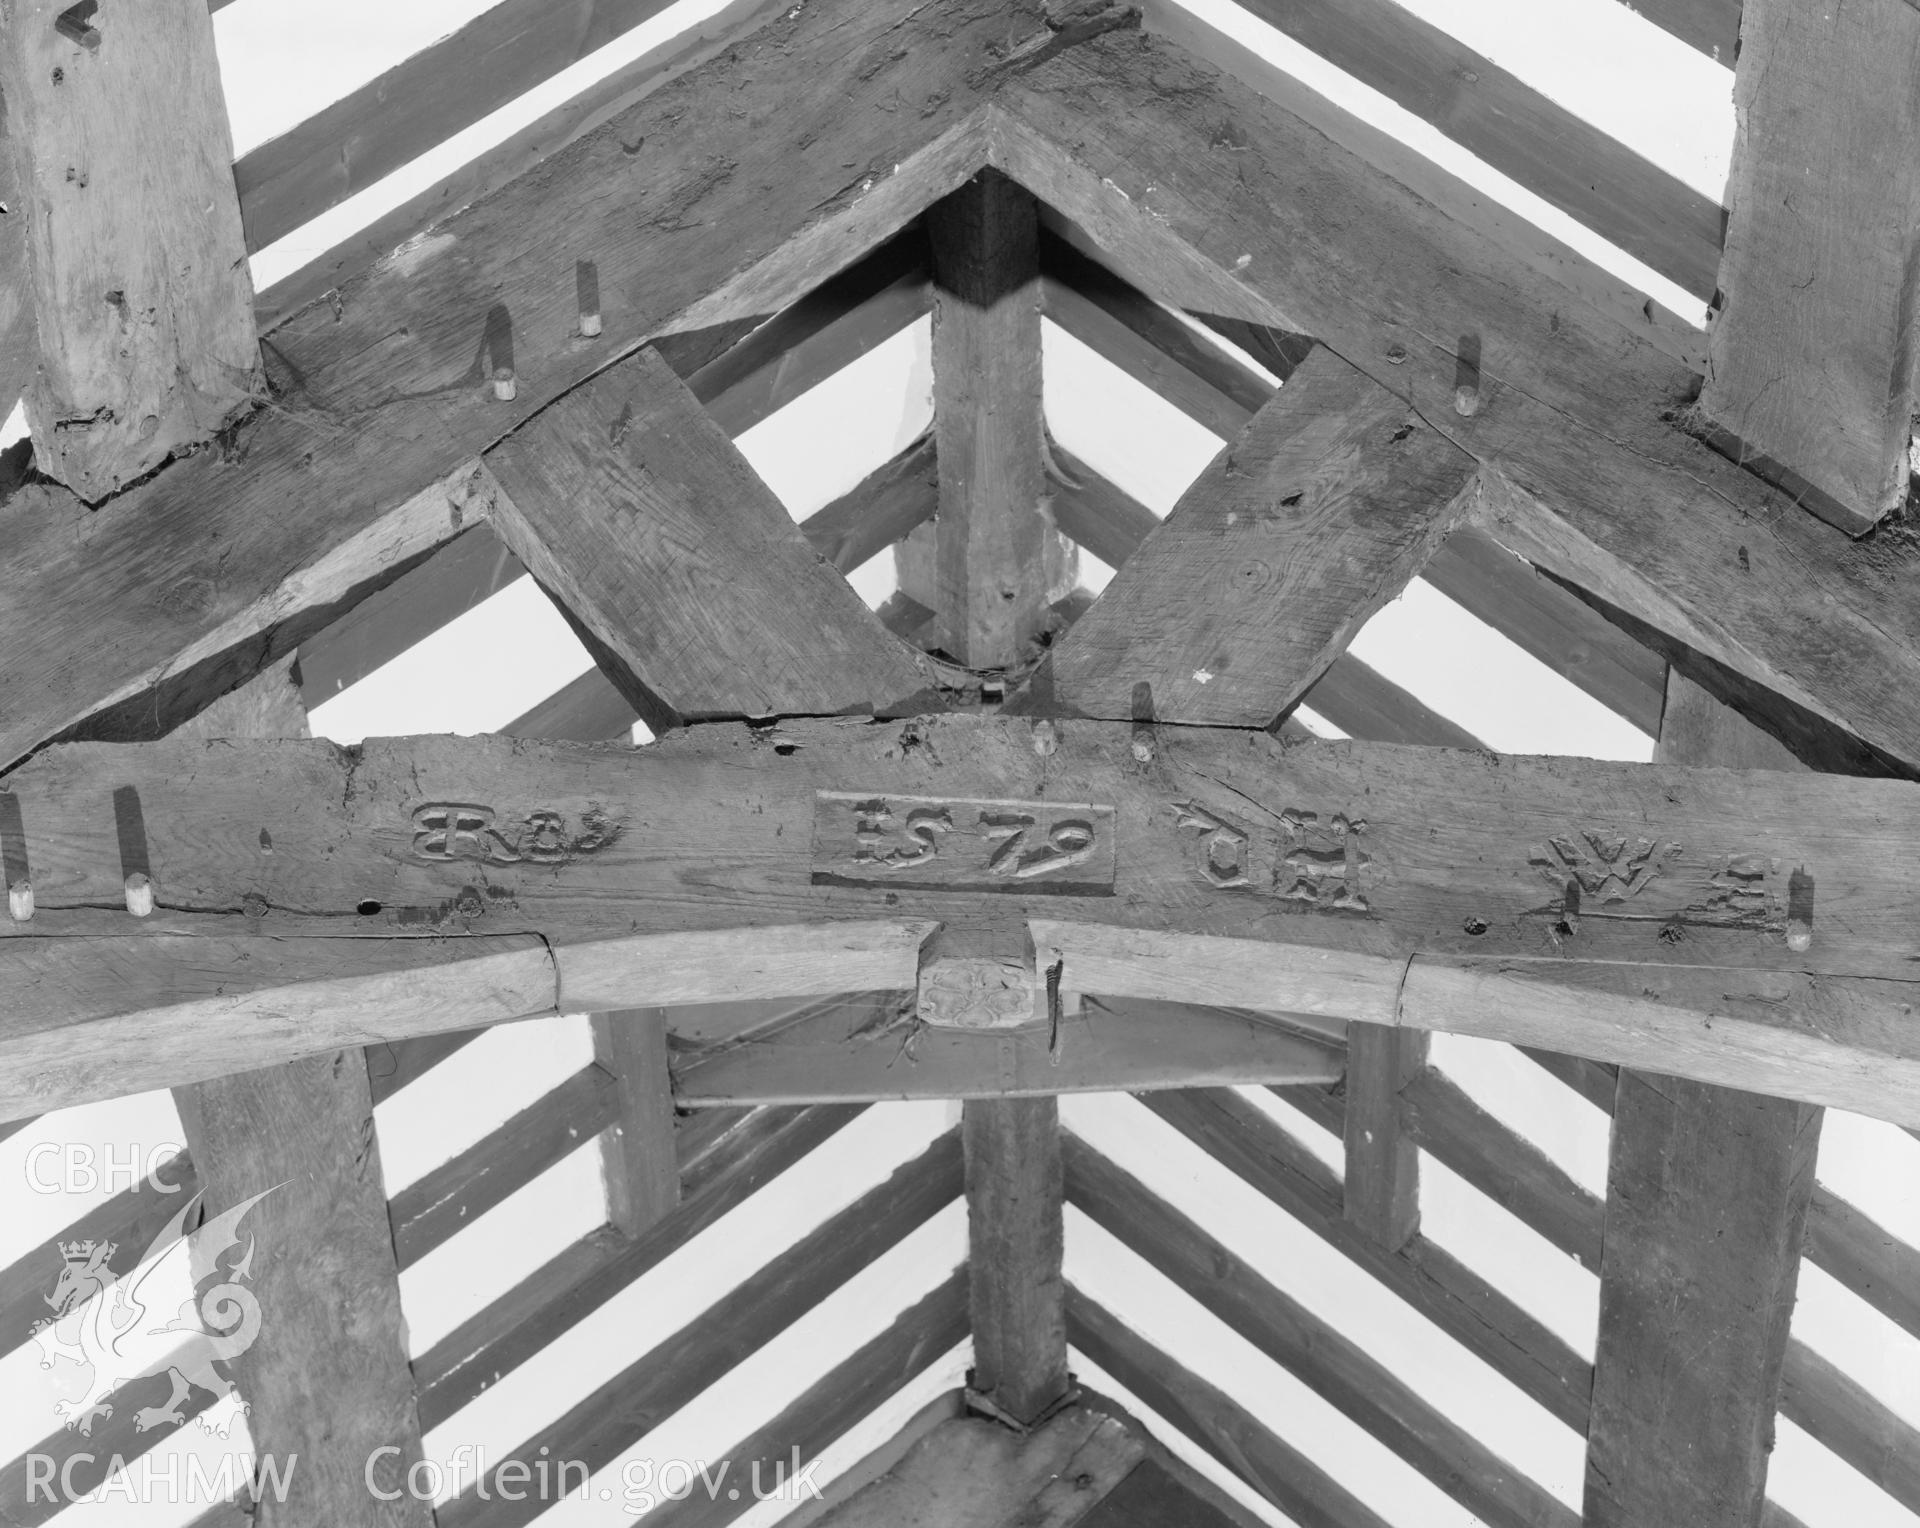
pixel 993 841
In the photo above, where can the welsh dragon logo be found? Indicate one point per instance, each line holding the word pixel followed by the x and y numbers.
pixel 103 1325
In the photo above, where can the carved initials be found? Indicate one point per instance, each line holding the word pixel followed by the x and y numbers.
pixel 1313 862
pixel 455 830
pixel 1601 863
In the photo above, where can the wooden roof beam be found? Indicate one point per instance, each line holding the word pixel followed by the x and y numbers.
pixel 582 1278
pixel 1575 399
pixel 1213 1419
pixel 137 267
pixel 1461 864
pixel 681 571
pixel 1460 1302
pixel 1812 381
pixel 426 99
pixel 623 1410
pixel 1290 1335
pixel 1559 156
pixel 820 1415
pixel 1146 342
pixel 401 352
pixel 1314 517
pixel 1110 523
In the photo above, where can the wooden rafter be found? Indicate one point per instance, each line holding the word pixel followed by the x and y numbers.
pixel 680 569
pixel 583 1277
pixel 402 357
pixel 618 1413
pixel 138 271
pixel 1236 1133
pixel 1297 1340
pixel 1812 377
pixel 1573 406
pixel 1553 153
pixel 1213 1419
pixel 1314 517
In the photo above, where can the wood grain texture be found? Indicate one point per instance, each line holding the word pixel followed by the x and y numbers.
pixel 388 397
pixel 1382 1194
pixel 1213 1419
pixel 688 871
pixel 1707 1196
pixel 1469 567
pixel 992 584
pixel 1112 524
pixel 1015 1241
pixel 19 333
pixel 139 274
pixel 1315 516
pixel 686 575
pixel 327 1376
pixel 1555 154
pixel 865 1051
pixel 618 1413
pixel 643 1176
pixel 1294 1338
pixel 1235 1133
pixel 1812 379
pixel 1706 1205
pixel 1576 404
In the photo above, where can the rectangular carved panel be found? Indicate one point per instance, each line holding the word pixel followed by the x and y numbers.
pixel 937 843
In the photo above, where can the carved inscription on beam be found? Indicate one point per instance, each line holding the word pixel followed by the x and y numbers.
pixel 932 843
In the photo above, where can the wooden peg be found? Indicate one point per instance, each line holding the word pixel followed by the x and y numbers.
pixel 20 900
pixel 139 895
